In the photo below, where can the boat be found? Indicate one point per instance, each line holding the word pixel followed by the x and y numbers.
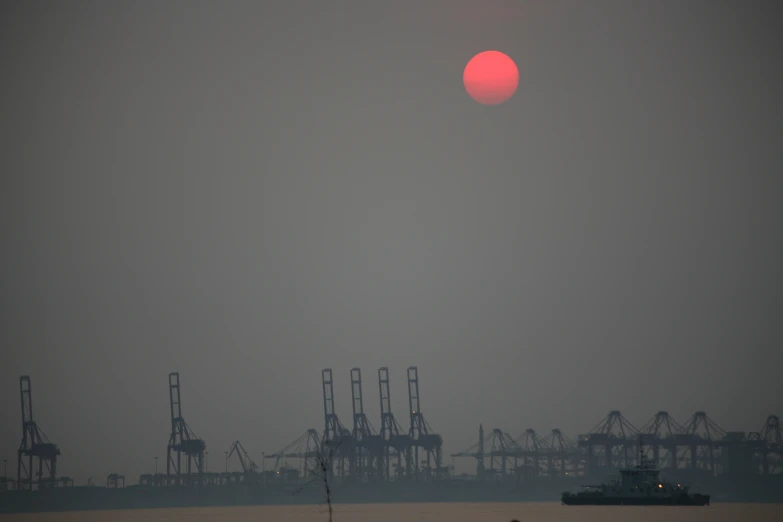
pixel 638 486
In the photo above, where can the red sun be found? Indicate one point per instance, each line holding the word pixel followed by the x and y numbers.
pixel 491 77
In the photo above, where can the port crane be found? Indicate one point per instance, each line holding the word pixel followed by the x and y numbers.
pixel 182 439
pixel 35 448
pixel 247 464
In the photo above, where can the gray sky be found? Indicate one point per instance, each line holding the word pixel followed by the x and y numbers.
pixel 248 192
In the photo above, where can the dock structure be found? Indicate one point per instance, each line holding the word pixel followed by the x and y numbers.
pixel 360 454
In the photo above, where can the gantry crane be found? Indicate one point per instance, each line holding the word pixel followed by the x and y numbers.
pixel 421 433
pixel 307 448
pixel 772 437
pixel 534 451
pixel 182 440
pixel 563 457
pixel 35 447
pixel 662 432
pixel 476 451
pixel 368 448
pixel 701 437
pixel 337 441
pixel 396 441
pixel 611 443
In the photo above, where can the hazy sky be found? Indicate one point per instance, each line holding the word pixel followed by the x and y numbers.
pixel 248 192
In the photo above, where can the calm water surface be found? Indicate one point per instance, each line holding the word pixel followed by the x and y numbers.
pixel 527 512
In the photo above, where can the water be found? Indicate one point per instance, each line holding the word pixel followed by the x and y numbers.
pixel 444 512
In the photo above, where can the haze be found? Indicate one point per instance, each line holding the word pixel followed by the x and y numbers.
pixel 249 192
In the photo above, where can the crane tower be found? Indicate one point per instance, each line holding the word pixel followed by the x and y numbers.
pixel 35 448
pixel 420 431
pixel 182 440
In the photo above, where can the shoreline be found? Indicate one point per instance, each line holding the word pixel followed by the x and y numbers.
pixel 96 498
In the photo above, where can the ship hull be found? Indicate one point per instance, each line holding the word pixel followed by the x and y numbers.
pixel 578 500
